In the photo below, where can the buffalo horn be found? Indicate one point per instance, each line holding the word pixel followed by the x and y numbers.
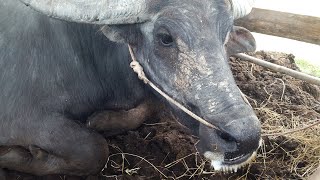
pixel 93 11
pixel 241 8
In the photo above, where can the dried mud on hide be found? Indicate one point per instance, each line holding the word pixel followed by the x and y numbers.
pixel 162 149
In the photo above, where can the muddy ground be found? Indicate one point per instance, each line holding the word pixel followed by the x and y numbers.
pixel 161 149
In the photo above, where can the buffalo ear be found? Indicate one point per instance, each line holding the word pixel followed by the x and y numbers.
pixel 240 40
pixel 121 33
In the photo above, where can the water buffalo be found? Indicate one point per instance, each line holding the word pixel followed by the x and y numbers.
pixel 63 60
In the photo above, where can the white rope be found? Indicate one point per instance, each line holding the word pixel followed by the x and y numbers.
pixel 137 68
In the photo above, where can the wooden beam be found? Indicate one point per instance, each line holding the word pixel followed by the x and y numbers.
pixel 287 25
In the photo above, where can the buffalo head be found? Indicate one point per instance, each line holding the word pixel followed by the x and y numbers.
pixel 183 46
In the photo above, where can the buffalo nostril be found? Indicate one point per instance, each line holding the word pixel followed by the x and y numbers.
pixel 227 137
pixel 227 142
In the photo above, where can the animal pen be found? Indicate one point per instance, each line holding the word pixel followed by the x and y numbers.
pixel 286 101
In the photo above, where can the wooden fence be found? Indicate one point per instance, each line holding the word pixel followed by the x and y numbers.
pixel 288 25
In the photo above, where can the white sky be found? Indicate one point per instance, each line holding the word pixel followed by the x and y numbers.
pixel 301 50
pixel 305 7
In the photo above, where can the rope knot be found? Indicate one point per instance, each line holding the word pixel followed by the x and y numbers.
pixel 137 68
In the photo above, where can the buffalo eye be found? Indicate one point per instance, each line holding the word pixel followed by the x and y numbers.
pixel 165 39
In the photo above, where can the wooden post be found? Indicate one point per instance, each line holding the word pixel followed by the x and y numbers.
pixel 288 25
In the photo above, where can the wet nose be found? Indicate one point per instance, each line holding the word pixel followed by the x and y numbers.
pixel 239 139
pixel 236 139
pixel 235 146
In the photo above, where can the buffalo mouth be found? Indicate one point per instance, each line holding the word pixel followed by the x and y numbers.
pixel 220 163
pixel 229 165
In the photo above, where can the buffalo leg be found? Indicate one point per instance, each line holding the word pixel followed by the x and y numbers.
pixel 56 146
pixel 115 122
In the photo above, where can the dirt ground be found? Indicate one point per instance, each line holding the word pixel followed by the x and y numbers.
pixel 161 149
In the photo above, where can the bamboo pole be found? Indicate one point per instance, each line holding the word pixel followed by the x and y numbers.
pixel 299 75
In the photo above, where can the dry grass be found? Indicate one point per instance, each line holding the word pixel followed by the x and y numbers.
pixel 303 155
pixel 294 155
pixel 187 172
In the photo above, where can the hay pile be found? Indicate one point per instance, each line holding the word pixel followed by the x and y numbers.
pixel 283 104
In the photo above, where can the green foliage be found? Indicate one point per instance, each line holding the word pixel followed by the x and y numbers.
pixel 307 67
